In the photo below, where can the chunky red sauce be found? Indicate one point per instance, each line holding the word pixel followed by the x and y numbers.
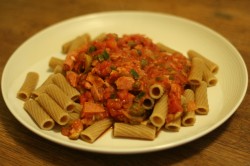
pixel 119 76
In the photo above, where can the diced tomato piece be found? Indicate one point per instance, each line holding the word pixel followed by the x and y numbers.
pixel 111 43
pixel 87 96
pixel 125 83
pixel 103 69
pixel 92 107
pixel 114 104
pixel 65 131
pixel 72 78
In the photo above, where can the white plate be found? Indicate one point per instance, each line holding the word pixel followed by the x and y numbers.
pixel 178 33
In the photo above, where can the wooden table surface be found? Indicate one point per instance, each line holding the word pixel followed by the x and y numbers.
pixel 227 145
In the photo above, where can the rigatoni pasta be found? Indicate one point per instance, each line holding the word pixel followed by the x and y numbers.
pixel 76 43
pixel 62 83
pixel 189 118
pixel 213 67
pixel 53 109
pixel 209 77
pixel 54 62
pixel 174 125
pixel 96 130
pixel 159 113
pixel 156 91
pixel 43 120
pixel 60 97
pixel 78 108
pixel 28 86
pixel 58 69
pixel 201 99
pixel 196 74
pixel 134 131
pixel 148 103
pixel 35 93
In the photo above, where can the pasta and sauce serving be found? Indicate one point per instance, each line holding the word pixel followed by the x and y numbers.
pixel 128 83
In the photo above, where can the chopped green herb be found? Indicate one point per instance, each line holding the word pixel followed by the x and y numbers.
pixel 100 57
pixel 140 95
pixel 136 85
pixel 134 74
pixel 144 63
pixel 92 49
pixel 103 56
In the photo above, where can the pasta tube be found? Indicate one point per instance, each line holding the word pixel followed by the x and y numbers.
pixel 60 97
pixel 62 83
pixel 28 86
pixel 58 69
pixel 148 103
pixel 209 77
pixel 78 108
pixel 79 41
pixel 74 115
pixel 196 73
pixel 159 113
pixel 66 46
pixel 213 67
pixel 43 120
pixel 100 37
pixel 156 91
pixel 188 118
pixel 94 131
pixel 53 109
pixel 201 99
pixel 134 131
pixel 174 125
pixel 35 93
pixel 53 62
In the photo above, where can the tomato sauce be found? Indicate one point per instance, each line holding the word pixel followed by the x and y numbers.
pixel 126 67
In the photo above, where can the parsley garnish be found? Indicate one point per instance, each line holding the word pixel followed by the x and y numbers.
pixel 134 74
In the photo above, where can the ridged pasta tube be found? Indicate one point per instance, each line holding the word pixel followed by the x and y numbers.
pixel 62 83
pixel 174 125
pixel 201 99
pixel 213 67
pixel 196 73
pixel 76 43
pixel 158 116
pixel 28 86
pixel 53 109
pixel 134 131
pixel 54 61
pixel 209 77
pixel 60 97
pixel 35 93
pixel 148 103
pixel 94 131
pixel 156 91
pixel 39 115
pixel 188 118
